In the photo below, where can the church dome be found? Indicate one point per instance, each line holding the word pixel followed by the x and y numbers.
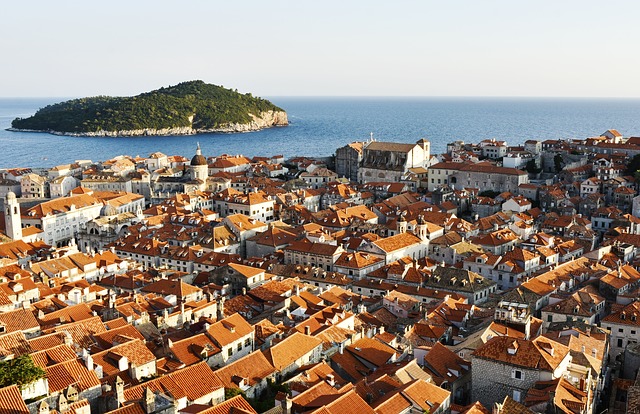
pixel 198 159
pixel 108 210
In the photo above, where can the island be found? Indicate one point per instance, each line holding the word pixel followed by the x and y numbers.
pixel 187 108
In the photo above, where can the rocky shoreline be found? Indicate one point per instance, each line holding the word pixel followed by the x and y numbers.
pixel 266 119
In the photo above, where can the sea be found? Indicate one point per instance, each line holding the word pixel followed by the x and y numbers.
pixel 319 125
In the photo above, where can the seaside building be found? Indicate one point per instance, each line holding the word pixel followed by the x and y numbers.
pixel 348 159
pixel 390 161
pixel 34 186
pixel 482 175
pixel 61 218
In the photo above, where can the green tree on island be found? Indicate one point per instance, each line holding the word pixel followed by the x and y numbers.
pixel 189 104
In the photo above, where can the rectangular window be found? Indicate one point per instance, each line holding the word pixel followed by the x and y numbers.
pixel 517 374
pixel 619 342
pixel 230 352
pixel 516 395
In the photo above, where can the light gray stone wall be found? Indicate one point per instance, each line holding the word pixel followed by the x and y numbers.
pixel 492 381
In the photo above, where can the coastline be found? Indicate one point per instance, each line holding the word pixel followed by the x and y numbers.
pixel 267 119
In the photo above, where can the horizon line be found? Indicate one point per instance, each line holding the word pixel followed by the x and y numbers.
pixel 370 96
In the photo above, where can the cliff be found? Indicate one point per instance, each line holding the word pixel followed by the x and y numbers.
pixel 266 119
pixel 185 109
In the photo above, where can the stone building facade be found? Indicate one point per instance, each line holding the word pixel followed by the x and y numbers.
pixel 482 175
pixel 348 158
pixel 390 161
pixel 509 366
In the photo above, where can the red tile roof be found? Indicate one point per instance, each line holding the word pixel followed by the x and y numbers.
pixel 11 401
pixel 541 353
pixel 285 353
pixel 253 368
pixel 229 330
pixel 234 405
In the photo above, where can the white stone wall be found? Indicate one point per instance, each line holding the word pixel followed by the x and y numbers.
pixel 621 336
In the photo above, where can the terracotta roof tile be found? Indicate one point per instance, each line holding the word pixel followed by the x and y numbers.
pixel 253 368
pixel 11 401
pixel 135 351
pixel 192 382
pixel 14 343
pixel 234 405
pixel 541 353
pixel 191 350
pixel 290 349
pixel 82 331
pixel 54 355
pixel 347 403
pixel 397 242
pixel 372 351
pixel 61 375
pixel 229 330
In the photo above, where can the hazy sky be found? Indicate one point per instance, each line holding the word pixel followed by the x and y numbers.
pixel 277 48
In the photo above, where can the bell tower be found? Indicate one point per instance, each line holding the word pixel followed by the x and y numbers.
pixel 12 220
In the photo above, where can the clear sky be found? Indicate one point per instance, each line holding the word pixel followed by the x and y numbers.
pixel 275 48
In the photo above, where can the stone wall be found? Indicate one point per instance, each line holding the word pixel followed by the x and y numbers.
pixel 492 381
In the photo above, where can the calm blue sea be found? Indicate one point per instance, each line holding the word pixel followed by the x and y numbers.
pixel 320 125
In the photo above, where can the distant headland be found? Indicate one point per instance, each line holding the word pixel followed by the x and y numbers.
pixel 187 108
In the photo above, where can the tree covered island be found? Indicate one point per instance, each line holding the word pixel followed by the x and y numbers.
pixel 187 108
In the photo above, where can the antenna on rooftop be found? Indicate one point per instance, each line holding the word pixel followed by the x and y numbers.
pixel 371 135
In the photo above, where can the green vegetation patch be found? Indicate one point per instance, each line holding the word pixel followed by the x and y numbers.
pixel 210 107
pixel 20 371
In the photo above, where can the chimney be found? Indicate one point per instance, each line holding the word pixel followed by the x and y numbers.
pixel 341 348
pixel 63 405
pixel 244 291
pixel 123 364
pixel 43 408
pixel 287 405
pixel 331 380
pixel 221 308
pixel 89 362
pixel 149 401
pixel 119 391
pixel 68 339
pixel 307 330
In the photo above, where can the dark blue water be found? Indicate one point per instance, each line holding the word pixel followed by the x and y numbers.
pixel 320 125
